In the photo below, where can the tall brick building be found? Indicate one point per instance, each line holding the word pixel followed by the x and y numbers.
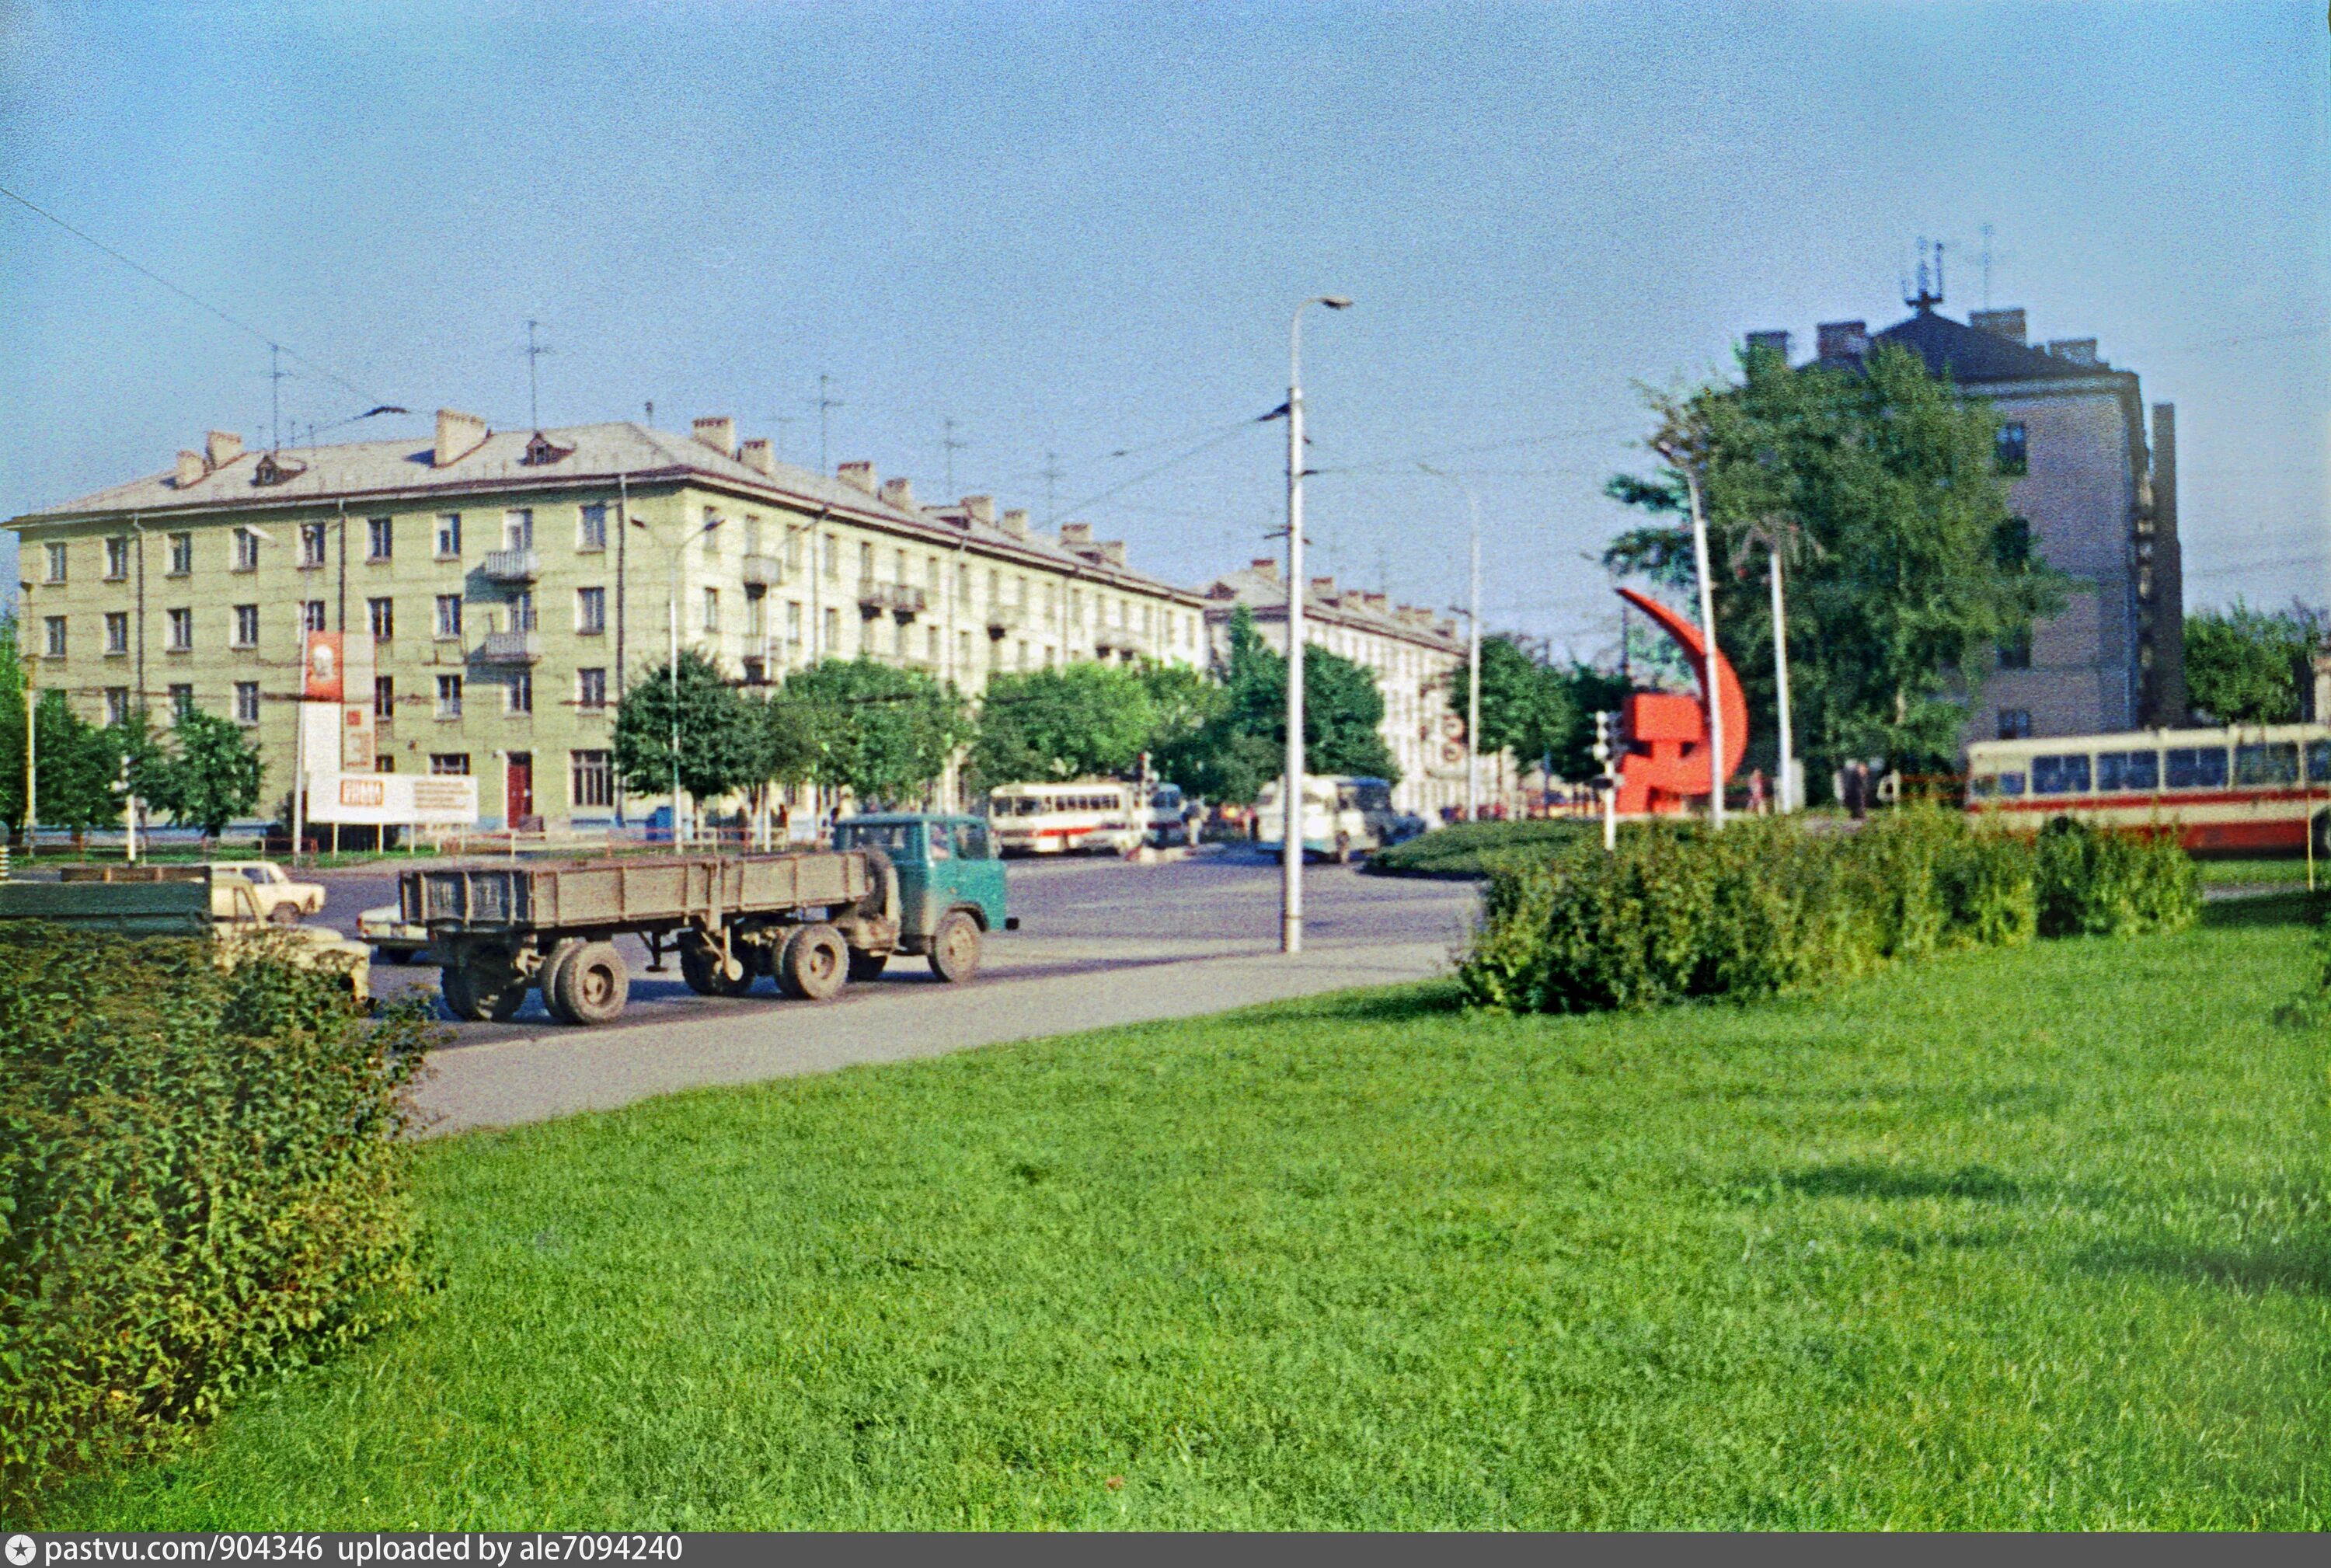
pixel 2101 501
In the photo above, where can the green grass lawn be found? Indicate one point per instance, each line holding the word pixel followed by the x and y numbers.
pixel 2289 870
pixel 1461 848
pixel 2030 1239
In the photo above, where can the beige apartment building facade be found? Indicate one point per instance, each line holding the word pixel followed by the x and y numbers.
pixel 1418 662
pixel 510 585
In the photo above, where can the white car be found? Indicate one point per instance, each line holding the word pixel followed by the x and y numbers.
pixel 393 941
pixel 281 901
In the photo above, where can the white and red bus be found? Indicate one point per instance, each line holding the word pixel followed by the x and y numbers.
pixel 2247 787
pixel 1056 819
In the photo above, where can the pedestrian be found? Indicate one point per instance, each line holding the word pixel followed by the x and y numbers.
pixel 1756 792
pixel 1857 790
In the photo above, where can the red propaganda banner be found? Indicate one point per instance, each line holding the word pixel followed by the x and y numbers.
pixel 322 658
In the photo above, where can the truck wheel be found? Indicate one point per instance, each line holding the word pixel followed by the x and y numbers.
pixel 593 984
pixel 453 985
pixel 868 965
pixel 562 954
pixel 700 967
pixel 815 965
pixel 494 989
pixel 954 947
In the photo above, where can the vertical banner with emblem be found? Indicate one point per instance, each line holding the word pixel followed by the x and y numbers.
pixel 358 739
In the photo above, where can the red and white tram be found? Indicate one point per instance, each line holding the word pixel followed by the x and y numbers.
pixel 2249 787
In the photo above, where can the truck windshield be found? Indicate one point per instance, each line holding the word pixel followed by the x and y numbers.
pixel 899 839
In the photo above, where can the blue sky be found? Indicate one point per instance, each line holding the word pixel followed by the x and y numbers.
pixel 1079 229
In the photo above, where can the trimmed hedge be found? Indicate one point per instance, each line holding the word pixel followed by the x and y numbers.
pixel 1766 907
pixel 202 1176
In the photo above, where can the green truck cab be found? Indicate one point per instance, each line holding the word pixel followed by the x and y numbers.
pixel 947 888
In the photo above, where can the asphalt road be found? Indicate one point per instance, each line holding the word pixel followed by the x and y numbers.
pixel 1101 943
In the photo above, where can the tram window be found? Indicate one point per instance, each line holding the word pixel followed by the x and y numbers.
pixel 2065 774
pixel 2128 770
pixel 2010 784
pixel 2318 761
pixel 2197 767
pixel 2274 762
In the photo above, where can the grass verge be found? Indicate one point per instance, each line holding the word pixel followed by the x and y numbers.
pixel 2029 1238
pixel 1465 848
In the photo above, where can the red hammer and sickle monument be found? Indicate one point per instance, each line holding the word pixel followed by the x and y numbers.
pixel 1666 765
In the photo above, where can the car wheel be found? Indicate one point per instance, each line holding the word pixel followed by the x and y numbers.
pixel 815 965
pixel 593 984
pixel 954 947
pixel 283 915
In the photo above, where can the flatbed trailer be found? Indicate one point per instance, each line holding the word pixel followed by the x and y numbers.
pixel 811 919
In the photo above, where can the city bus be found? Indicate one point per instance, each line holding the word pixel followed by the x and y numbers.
pixel 1057 818
pixel 2245 787
pixel 1342 817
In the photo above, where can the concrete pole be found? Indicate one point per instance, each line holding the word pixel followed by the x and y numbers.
pixel 32 767
pixel 1787 782
pixel 1290 856
pixel 1708 630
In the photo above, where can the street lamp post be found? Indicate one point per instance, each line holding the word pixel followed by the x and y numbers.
pixel 1290 884
pixel 1473 647
pixel 1708 630
pixel 680 559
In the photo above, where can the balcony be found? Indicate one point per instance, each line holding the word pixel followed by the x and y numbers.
pixel 511 647
pixel 1125 643
pixel 764 572
pixel 1005 618
pixel 898 599
pixel 512 566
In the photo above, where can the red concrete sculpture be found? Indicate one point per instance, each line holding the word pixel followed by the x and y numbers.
pixel 1666 765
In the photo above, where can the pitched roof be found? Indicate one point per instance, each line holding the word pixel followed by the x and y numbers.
pixel 1972 357
pixel 1264 591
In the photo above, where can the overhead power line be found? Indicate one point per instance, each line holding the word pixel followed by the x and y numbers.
pixel 232 320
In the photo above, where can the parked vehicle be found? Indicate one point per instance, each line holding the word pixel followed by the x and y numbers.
pixel 2242 788
pixel 1342 817
pixel 183 901
pixel 1170 816
pixel 394 939
pixel 811 919
pixel 1056 818
pixel 235 885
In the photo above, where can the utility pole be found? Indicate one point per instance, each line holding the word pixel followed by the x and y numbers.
pixel 1053 474
pixel 31 769
pixel 1290 887
pixel 951 446
pixel 275 375
pixel 825 403
pixel 1788 790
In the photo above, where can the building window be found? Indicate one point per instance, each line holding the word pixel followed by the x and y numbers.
pixel 311 615
pixel 2015 654
pixel 449 697
pixel 830 638
pixel 591 689
pixel 449 536
pixel 591 611
pixel 182 631
pixel 52 630
pixel 593 778
pixel 117 631
pixel 117 705
pixel 381 614
pixel 384 698
pixel 865 563
pixel 311 545
pixel 792 621
pixel 117 559
pixel 2015 724
pixel 181 554
pixel 830 560
pixel 246 702
pixel 757 673
pixel 963 651
pixel 449 616
pixel 246 625
pixel 56 563
pixel 517 528
pixel 932 644
pixel 2013 455
pixel 1021 657
pixel 450 764
pixel 793 551
pixel 591 526
pixel 518 694
pixel 246 550
pixel 756 610
pixel 182 701
pixel 712 609
pixel 380 538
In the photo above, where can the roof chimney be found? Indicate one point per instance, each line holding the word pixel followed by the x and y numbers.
pixel 755 455
pixel 458 435
pixel 858 476
pixel 1266 566
pixel 1076 536
pixel 191 468
pixel 980 510
pixel 1774 343
pixel 717 432
pixel 899 493
pixel 2074 350
pixel 220 447
pixel 2007 324
pixel 1324 586
pixel 1015 522
pixel 1113 552
pixel 1842 339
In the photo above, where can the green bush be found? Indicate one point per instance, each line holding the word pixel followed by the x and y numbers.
pixel 203 1176
pixel 1767 908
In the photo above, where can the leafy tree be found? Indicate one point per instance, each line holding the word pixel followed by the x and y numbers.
pixel 12 726
pixel 882 732
pixel 75 767
pixel 2247 665
pixel 1077 721
pixel 1907 572
pixel 1241 746
pixel 1527 707
pixel 214 775
pixel 719 742
pixel 1588 692
pixel 1183 702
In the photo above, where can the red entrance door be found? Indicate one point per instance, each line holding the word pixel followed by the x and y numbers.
pixel 519 789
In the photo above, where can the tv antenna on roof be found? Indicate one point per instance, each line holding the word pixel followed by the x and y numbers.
pixel 951 446
pixel 534 352
pixel 1930 278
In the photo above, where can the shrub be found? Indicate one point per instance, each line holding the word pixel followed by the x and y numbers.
pixel 2094 883
pixel 203 1174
